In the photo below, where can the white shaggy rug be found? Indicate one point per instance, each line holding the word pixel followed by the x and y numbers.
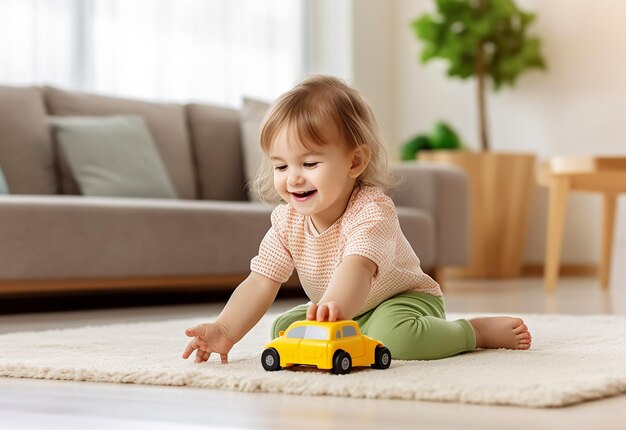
pixel 572 359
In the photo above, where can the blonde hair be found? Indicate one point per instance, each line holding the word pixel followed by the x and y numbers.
pixel 307 109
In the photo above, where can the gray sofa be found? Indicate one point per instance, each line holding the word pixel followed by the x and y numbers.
pixel 54 239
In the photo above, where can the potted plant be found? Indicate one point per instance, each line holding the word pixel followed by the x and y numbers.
pixel 441 136
pixel 487 40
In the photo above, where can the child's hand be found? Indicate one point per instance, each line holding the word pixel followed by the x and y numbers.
pixel 325 312
pixel 208 338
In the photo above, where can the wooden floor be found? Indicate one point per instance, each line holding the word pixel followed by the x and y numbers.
pixel 34 404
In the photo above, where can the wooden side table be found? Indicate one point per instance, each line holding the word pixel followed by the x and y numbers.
pixel 606 175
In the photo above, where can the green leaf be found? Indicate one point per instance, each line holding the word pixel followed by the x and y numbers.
pixel 425 28
pixel 455 30
pixel 411 147
pixel 451 8
pixel 527 18
pixel 442 136
pixel 480 28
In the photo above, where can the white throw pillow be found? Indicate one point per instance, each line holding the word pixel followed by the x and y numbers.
pixel 113 156
pixel 250 117
pixel 4 188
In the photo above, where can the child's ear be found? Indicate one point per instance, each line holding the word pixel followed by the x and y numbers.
pixel 360 159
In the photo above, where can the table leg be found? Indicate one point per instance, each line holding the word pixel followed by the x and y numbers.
pixel 608 224
pixel 559 188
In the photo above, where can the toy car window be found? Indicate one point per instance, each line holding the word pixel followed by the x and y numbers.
pixel 338 334
pixel 316 333
pixel 297 332
pixel 349 331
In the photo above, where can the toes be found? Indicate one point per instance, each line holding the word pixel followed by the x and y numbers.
pixel 524 338
pixel 524 343
pixel 522 328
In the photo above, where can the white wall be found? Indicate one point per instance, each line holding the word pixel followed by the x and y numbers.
pixel 374 58
pixel 343 34
pixel 331 37
pixel 577 107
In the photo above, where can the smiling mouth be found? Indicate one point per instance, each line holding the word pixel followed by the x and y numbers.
pixel 303 197
pixel 304 194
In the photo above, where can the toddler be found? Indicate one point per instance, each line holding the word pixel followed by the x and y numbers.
pixel 326 161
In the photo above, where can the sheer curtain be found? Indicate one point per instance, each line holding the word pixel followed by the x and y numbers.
pixel 204 50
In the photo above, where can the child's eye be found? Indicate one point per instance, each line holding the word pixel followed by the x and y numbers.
pixel 310 164
pixel 280 168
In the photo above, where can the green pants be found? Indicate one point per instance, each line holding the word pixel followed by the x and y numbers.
pixel 412 325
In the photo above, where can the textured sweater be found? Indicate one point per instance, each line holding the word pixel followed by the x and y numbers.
pixel 369 227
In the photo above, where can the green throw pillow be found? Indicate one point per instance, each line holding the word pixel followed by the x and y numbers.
pixel 112 156
pixel 4 188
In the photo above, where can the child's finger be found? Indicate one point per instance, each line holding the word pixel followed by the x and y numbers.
pixel 333 312
pixel 224 358
pixel 191 331
pixel 202 356
pixel 311 312
pixel 191 347
pixel 322 312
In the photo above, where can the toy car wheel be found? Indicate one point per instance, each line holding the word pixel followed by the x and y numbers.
pixel 382 358
pixel 270 360
pixel 342 363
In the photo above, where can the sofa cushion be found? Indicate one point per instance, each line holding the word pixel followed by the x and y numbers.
pixel 166 123
pixel 26 154
pixel 113 156
pixel 69 237
pixel 216 140
pixel 251 116
pixel 4 189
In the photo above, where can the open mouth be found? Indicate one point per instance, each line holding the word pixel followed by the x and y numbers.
pixel 303 196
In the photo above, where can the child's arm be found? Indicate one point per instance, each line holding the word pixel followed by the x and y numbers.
pixel 248 303
pixel 347 290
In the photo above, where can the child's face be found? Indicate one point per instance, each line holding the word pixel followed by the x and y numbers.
pixel 317 183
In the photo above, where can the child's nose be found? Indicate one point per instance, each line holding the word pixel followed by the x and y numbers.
pixel 295 178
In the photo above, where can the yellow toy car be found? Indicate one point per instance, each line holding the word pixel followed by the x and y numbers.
pixel 337 345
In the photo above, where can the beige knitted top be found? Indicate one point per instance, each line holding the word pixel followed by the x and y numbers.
pixel 369 227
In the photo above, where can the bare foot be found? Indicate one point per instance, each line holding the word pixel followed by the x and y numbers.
pixel 501 332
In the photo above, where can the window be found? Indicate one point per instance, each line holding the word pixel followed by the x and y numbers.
pixel 308 332
pixel 296 332
pixel 349 331
pixel 204 50
pixel 316 333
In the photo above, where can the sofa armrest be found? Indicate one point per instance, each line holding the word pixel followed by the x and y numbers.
pixel 442 191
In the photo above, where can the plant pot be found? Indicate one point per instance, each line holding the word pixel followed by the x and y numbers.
pixel 501 187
